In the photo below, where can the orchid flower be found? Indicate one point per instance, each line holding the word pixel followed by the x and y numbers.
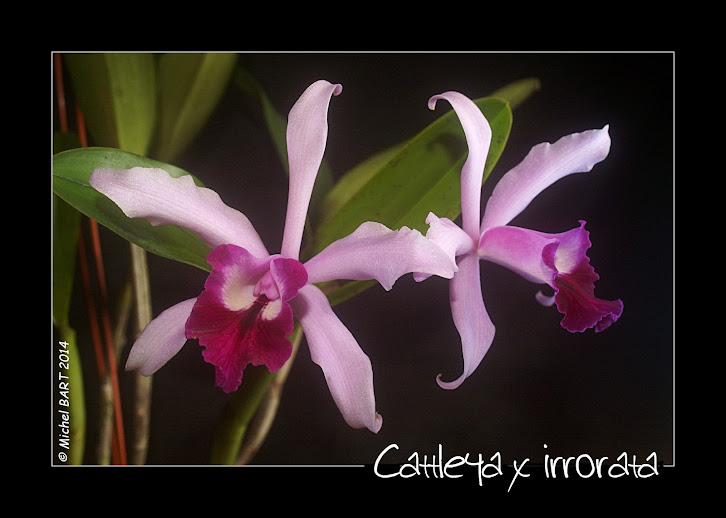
pixel 246 311
pixel 558 260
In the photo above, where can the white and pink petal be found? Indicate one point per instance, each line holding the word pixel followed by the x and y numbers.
pixel 470 317
pixel 347 369
pixel 478 138
pixel 160 340
pixel 544 165
pixel 307 135
pixel 373 251
pixel 448 236
pixel 235 273
pixel 526 252
pixel 153 194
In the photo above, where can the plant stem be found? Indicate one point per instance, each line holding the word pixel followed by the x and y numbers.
pixel 265 415
pixel 238 412
pixel 230 441
pixel 142 384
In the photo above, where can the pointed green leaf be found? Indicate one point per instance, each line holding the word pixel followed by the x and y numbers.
pixel 71 171
pixel 275 123
pixel 517 92
pixel 65 220
pixel 117 93
pixel 355 179
pixel 190 87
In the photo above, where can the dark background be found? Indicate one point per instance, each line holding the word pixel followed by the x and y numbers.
pixel 597 393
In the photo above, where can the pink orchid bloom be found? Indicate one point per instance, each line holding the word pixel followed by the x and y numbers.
pixel 245 313
pixel 558 260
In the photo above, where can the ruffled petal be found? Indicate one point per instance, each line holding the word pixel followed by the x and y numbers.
pixel 448 236
pixel 576 300
pixel 307 134
pixel 235 326
pixel 153 194
pixel 574 285
pixel 160 340
pixel 478 137
pixel 470 317
pixel 346 367
pixel 374 251
pixel 545 164
pixel 526 252
pixel 559 260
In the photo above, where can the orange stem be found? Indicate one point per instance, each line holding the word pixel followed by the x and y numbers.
pixel 92 317
pixel 108 334
pixel 119 445
pixel 60 93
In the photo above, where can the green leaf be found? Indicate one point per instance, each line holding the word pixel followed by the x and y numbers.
pixel 355 179
pixel 117 93
pixel 71 171
pixel 275 123
pixel 190 87
pixel 237 414
pixel 66 221
pixel 517 92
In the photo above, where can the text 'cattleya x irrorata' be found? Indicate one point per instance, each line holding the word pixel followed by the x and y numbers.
pixel 244 315
pixel 558 260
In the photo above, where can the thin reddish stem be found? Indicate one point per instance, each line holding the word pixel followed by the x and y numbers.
pixel 60 93
pixel 119 446
pixel 92 317
pixel 82 136
pixel 108 334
